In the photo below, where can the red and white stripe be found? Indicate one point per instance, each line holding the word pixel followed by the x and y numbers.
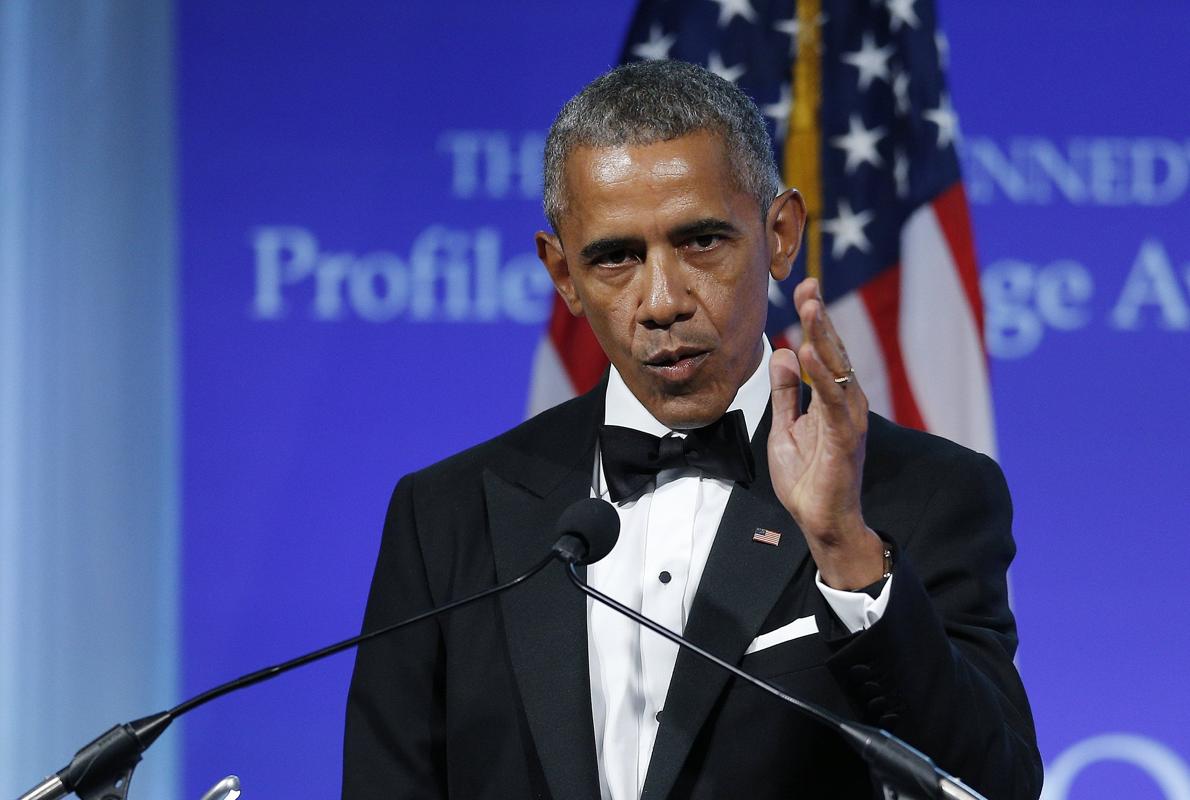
pixel 568 361
pixel 941 324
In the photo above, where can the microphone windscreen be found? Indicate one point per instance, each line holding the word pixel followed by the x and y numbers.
pixel 593 520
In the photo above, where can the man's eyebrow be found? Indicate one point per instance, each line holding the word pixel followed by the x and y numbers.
pixel 702 227
pixel 689 230
pixel 601 247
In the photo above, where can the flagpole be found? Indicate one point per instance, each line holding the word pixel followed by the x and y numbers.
pixel 803 147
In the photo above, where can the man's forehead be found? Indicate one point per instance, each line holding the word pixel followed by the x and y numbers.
pixel 617 163
pixel 593 168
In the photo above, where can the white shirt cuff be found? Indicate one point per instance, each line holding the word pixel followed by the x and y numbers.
pixel 856 610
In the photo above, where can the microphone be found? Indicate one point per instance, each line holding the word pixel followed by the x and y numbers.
pixel 102 770
pixel 226 789
pixel 902 768
pixel 587 531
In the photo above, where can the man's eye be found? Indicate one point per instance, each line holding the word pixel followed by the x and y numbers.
pixel 706 241
pixel 615 258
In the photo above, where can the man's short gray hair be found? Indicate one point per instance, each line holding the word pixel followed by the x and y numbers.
pixel 656 101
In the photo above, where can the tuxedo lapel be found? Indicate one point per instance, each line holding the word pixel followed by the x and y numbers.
pixel 739 586
pixel 545 618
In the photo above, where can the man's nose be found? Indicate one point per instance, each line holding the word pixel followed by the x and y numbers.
pixel 668 296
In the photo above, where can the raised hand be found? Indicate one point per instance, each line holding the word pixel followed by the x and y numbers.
pixel 816 459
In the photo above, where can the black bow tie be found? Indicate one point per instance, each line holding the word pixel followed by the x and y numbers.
pixel 632 458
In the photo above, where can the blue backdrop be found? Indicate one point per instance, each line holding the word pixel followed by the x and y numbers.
pixel 358 191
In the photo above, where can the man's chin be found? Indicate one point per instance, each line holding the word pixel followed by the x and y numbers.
pixel 692 409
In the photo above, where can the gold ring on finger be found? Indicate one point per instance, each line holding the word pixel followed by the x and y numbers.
pixel 847 378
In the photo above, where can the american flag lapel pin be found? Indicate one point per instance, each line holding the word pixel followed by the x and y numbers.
pixel 766 536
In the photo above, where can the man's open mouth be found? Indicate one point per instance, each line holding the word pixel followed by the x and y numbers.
pixel 676 364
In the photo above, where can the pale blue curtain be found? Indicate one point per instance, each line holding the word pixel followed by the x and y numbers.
pixel 88 382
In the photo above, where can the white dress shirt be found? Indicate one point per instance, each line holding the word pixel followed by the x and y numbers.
pixel 655 567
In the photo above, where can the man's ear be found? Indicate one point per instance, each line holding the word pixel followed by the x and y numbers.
pixel 785 223
pixel 549 250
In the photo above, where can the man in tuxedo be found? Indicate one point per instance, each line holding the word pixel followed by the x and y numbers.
pixel 852 562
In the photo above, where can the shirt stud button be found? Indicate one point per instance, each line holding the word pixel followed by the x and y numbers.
pixel 665 577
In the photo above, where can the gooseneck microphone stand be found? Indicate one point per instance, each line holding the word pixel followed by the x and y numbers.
pixel 103 769
pixel 904 771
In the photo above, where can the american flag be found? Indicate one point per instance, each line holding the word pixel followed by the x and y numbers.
pixel 766 536
pixel 862 123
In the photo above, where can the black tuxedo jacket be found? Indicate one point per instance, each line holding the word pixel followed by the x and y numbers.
pixel 493 701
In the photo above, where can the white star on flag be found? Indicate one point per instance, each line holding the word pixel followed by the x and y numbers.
pixel 901 173
pixel 730 9
pixel 657 47
pixel 732 74
pixel 791 28
pixel 860 145
pixel 944 117
pixel 847 230
pixel 900 87
pixel 943 46
pixel 871 61
pixel 779 111
pixel 901 13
